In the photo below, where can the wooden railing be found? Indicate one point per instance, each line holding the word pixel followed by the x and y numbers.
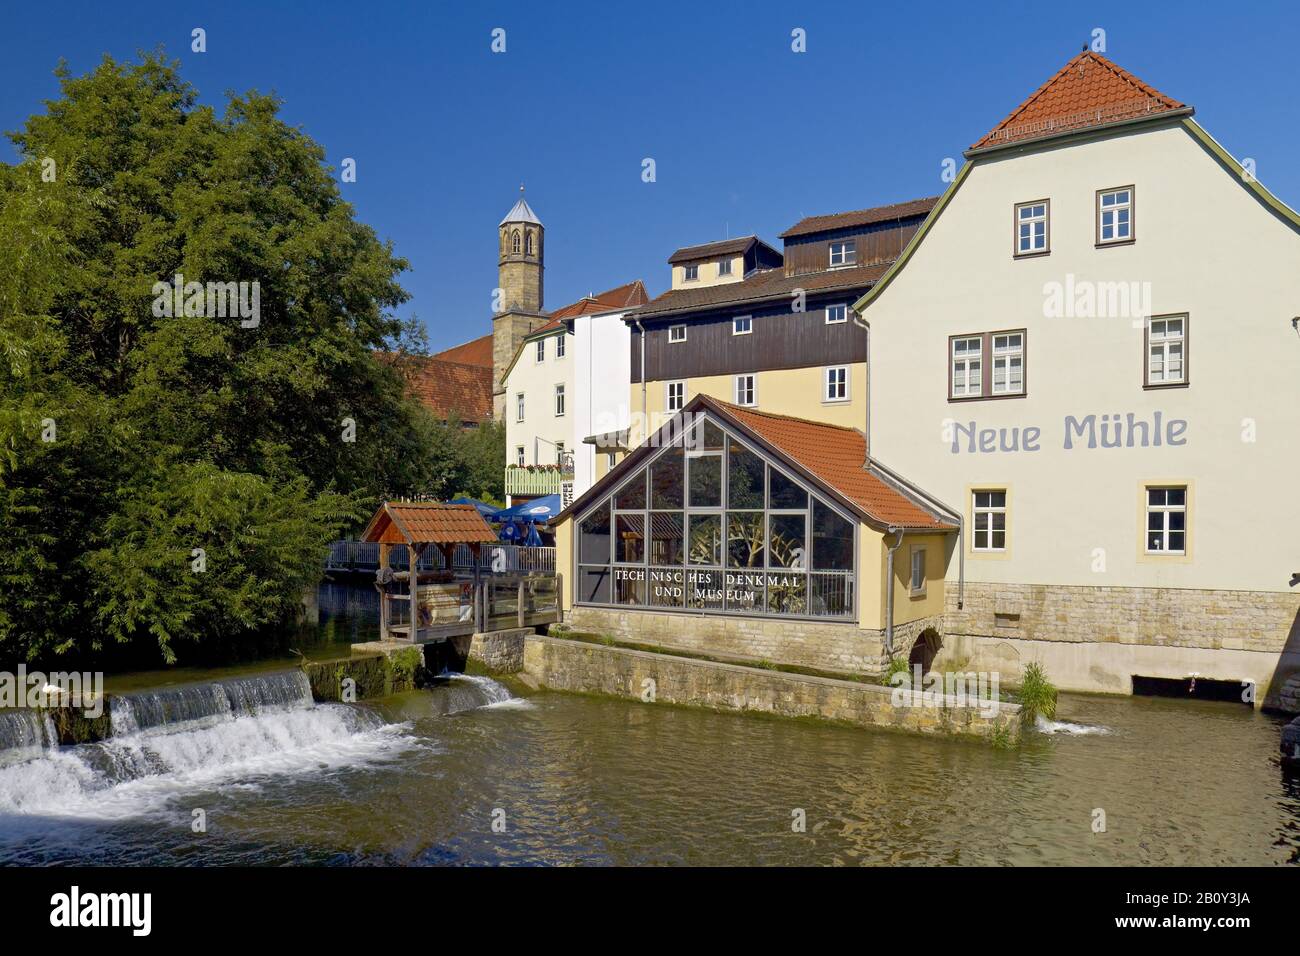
pixel 456 608
pixel 498 558
pixel 542 481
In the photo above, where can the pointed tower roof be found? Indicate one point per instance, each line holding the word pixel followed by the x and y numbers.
pixel 521 211
pixel 1088 92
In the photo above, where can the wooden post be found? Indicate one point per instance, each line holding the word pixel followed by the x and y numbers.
pixel 479 612
pixel 519 604
pixel 413 552
pixel 383 595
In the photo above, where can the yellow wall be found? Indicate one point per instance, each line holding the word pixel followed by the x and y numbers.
pixel 564 561
pixel 708 271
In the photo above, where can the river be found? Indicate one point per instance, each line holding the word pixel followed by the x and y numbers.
pixel 247 770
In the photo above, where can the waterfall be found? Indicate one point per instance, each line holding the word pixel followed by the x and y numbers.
pixel 463 692
pixel 175 740
pixel 24 735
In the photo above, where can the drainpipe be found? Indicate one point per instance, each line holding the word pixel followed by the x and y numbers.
pixel 889 591
pixel 901 482
pixel 644 410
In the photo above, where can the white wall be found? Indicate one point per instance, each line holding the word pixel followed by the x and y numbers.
pixel 541 428
pixel 601 353
pixel 1208 247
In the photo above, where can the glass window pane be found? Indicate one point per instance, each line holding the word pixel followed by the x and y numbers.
pixel 786 545
pixel 705 540
pixel 706 481
pixel 787 593
pixel 744 540
pixel 594 538
pixel 630 542
pixel 745 590
pixel 1154 541
pixel 1176 496
pixel 705 436
pixel 665 537
pixel 744 477
pixel 666 480
pixel 667 587
pixel 629 585
pixel 593 584
pixel 1176 541
pixel 631 496
pixel 705 588
pixel 783 492
pixel 832 540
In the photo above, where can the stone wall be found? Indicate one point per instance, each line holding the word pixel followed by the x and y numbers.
pixel 824 646
pixel 662 678
pixel 501 652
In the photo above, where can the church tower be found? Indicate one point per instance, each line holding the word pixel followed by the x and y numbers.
pixel 521 240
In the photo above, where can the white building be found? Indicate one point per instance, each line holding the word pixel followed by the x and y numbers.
pixel 1091 351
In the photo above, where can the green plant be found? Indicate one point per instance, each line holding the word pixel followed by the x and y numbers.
pixel 1001 738
pixel 403 664
pixel 1037 695
pixel 896 665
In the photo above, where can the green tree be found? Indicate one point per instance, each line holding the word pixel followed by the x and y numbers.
pixel 132 434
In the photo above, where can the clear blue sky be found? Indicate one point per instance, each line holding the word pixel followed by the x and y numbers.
pixel 747 136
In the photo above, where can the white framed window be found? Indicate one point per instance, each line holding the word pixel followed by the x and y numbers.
pixel 836 314
pixel 519 455
pixel 916 580
pixel 724 267
pixel 1032 228
pixel 611 459
pixel 559 453
pixel 835 384
pixel 1167 520
pixel 559 401
pixel 519 407
pixel 674 396
pixel 676 333
pixel 746 390
pixel 1166 356
pixel 1008 363
pixel 966 360
pixel 559 346
pixel 692 272
pixel 989 527
pixel 541 350
pixel 844 253
pixel 742 325
pixel 1114 215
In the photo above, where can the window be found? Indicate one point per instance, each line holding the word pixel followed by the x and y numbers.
pixel 559 346
pixel 1115 215
pixel 541 350
pixel 1167 520
pixel 746 393
pixel 967 377
pixel 559 400
pixel 836 314
pixel 991 364
pixel 916 582
pixel 674 396
pixel 836 384
pixel 742 325
pixel 676 333
pixel 1031 228
pixel 1008 363
pixel 519 455
pixel 692 272
pixel 559 453
pixel 611 459
pixel 514 243
pixel 711 525
pixel 989 529
pixel 1166 351
pixel 724 267
pixel 844 253
pixel 519 407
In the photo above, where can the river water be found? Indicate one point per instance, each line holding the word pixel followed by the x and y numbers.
pixel 473 771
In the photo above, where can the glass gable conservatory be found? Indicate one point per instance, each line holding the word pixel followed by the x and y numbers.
pixel 710 524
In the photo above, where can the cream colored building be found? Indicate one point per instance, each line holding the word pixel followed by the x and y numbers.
pixel 1091 351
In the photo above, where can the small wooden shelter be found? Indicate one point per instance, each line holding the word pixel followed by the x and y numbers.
pixel 436 610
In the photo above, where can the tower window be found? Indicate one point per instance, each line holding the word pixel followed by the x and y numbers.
pixel 529 244
pixel 514 243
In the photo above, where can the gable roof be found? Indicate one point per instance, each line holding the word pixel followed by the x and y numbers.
pixel 427 522
pixel 723 247
pixel 624 296
pixel 763 286
pixel 861 217
pixel 446 388
pixel 475 352
pixel 1089 91
pixel 831 457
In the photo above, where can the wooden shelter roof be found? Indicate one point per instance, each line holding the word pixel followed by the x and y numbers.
pixel 427 522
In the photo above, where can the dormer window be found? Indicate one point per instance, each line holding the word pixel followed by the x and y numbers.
pixel 844 253
pixel 692 272
pixel 724 267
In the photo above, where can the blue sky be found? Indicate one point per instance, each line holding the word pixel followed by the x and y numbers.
pixel 747 136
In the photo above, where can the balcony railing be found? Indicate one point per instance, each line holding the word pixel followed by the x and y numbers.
pixel 536 481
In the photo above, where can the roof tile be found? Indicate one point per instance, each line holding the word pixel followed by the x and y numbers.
pixel 429 522
pixel 861 217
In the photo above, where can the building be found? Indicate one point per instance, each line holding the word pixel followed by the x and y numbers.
pixel 521 267
pixel 565 383
pixel 1091 351
pixel 455 384
pixel 764 329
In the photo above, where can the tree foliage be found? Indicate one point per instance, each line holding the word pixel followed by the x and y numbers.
pixel 128 438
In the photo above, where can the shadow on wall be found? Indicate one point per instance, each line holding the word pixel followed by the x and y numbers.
pixel 1284 687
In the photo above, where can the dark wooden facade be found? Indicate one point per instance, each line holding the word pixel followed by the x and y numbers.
pixel 780 338
pixel 876 242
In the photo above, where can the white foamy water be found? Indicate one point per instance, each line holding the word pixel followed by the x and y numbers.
pixel 1043 725
pixel 180 740
pixel 488 693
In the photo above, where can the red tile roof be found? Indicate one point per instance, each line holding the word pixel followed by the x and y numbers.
pixel 448 389
pixel 620 297
pixel 861 217
pixel 721 247
pixel 1088 91
pixel 427 522
pixel 477 352
pixel 836 456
